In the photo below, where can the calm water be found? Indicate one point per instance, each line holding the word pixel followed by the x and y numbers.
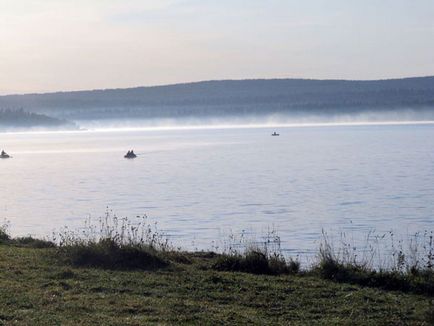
pixel 201 185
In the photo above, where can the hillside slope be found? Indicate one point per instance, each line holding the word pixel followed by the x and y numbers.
pixel 234 98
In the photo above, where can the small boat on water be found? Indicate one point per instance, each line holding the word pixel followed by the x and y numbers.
pixel 130 154
pixel 275 134
pixel 4 155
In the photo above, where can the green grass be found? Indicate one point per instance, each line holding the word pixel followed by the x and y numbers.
pixel 31 242
pixel 38 288
pixel 109 254
pixel 256 262
pixel 416 281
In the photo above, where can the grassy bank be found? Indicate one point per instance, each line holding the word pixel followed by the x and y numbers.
pixel 39 288
pixel 122 273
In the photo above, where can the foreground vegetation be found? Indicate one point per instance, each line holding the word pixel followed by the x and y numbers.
pixel 38 288
pixel 129 275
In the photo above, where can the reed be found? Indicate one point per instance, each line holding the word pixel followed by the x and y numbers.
pixel 383 261
pixel 261 255
pixel 114 243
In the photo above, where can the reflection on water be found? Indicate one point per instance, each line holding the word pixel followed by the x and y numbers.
pixel 200 184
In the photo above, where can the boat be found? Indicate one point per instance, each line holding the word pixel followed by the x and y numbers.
pixel 4 155
pixel 275 134
pixel 130 154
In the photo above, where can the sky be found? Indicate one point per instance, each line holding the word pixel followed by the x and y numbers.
pixel 53 45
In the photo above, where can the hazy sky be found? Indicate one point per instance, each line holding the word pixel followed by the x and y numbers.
pixel 48 45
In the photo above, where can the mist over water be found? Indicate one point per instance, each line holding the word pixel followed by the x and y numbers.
pixel 270 120
pixel 202 184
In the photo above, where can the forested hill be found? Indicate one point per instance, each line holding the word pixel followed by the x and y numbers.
pixel 234 98
pixel 21 120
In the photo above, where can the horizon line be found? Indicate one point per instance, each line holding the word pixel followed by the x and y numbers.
pixel 213 80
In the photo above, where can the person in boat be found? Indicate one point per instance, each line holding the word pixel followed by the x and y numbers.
pixel 4 154
pixel 130 154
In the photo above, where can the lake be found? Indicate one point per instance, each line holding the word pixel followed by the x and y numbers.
pixel 200 185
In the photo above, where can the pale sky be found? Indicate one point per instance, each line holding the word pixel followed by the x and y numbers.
pixel 52 45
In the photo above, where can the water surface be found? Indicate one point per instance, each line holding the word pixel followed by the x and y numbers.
pixel 201 185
